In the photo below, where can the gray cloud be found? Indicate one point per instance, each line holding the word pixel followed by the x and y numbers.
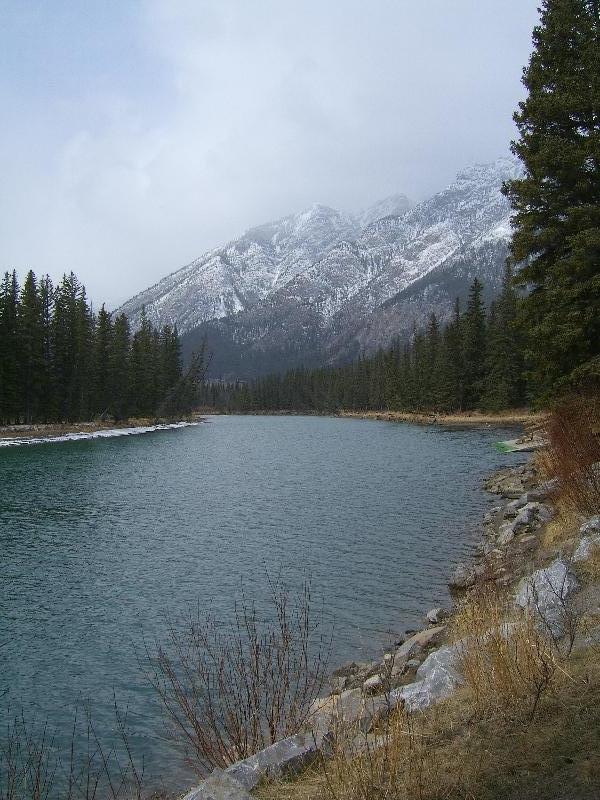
pixel 158 134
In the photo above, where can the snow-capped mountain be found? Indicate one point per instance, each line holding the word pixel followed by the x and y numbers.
pixel 323 285
pixel 236 277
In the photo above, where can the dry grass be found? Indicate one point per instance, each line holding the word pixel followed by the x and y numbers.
pixel 514 417
pixel 525 711
pixel 507 663
pixel 451 753
pixel 589 570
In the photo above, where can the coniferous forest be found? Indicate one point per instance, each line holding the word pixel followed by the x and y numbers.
pixel 473 362
pixel 62 362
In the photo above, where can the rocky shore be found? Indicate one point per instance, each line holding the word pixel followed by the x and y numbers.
pixel 538 579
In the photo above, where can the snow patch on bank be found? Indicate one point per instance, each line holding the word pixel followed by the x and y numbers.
pixel 108 433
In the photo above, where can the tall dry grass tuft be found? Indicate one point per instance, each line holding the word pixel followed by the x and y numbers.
pixel 507 661
pixel 574 452
pixel 393 762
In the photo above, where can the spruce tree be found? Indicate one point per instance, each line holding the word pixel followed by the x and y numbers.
pixel 474 346
pixel 504 387
pixel 10 401
pixel 557 202
pixel 119 369
pixel 30 329
pixel 47 386
pixel 102 395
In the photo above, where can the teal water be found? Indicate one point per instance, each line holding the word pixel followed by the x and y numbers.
pixel 100 540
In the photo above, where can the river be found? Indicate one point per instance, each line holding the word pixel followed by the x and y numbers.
pixel 101 540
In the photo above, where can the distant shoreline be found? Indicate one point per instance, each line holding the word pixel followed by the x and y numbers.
pixel 516 418
pixel 13 435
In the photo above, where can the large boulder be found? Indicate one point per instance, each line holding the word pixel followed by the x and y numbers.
pixel 219 786
pixel 465 576
pixel 348 709
pixel 437 678
pixel 545 593
pixel 419 641
pixel 528 515
pixel 282 758
pixel 590 539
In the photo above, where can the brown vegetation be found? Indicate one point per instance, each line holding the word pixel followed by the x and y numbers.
pixel 574 452
pixel 230 691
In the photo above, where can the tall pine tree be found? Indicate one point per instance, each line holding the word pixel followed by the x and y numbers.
pixel 557 202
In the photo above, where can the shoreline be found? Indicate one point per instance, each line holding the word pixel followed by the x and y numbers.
pixel 517 418
pixel 47 433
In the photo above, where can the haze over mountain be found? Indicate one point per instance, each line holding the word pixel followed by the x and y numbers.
pixel 322 286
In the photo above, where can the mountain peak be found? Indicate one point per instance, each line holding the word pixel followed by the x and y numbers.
pixel 329 263
pixel 394 205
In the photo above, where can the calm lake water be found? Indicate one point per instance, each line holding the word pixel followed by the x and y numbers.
pixel 100 540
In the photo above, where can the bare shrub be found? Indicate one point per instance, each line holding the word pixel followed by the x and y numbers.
pixel 32 767
pixel 230 691
pixel 574 453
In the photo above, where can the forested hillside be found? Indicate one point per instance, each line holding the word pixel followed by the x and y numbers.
pixel 475 361
pixel 62 362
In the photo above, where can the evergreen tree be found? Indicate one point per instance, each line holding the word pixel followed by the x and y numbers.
pixel 504 380
pixel 557 202
pixel 450 392
pixel 46 382
pixel 143 369
pixel 30 330
pixel 10 401
pixel 119 369
pixel 103 348
pixel 474 353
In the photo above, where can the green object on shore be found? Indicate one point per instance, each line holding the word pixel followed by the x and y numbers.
pixel 505 447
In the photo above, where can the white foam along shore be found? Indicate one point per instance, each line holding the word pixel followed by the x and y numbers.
pixel 106 433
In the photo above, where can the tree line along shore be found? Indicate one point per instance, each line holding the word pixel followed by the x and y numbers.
pixel 61 362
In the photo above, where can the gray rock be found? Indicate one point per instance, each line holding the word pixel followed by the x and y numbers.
pixel 512 508
pixel 219 786
pixel 591 526
pixel 365 743
pixel 590 638
pixel 419 641
pixel 507 532
pixel 394 666
pixel 530 515
pixel 349 709
pixel 586 547
pixel 465 576
pixel 282 758
pixel 436 615
pixel 437 678
pixel 346 670
pixel 545 592
pixel 544 490
pixel 374 684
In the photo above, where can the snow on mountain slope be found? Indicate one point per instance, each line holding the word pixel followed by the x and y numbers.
pixel 235 277
pixel 343 303
pixel 325 285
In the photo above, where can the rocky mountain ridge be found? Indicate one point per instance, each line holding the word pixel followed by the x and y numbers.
pixel 324 286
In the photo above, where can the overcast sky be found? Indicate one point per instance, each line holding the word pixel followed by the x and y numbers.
pixel 136 134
